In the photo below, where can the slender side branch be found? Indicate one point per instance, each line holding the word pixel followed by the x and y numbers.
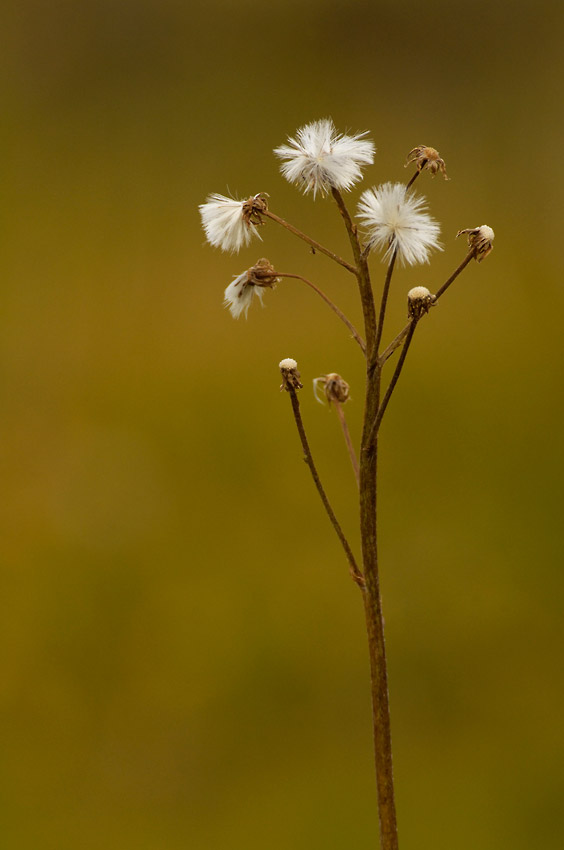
pixel 310 241
pixel 384 303
pixel 362 272
pixel 356 572
pixel 399 366
pixel 412 181
pixel 469 256
pixel 333 306
pixel 348 441
pixel 397 341
pixel 368 531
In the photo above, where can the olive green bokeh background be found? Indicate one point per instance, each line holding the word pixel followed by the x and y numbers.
pixel 184 661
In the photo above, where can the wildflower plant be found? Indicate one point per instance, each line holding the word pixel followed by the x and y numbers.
pixel 391 221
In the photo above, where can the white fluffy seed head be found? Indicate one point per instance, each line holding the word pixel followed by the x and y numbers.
pixel 396 221
pixel 418 292
pixel 239 295
pixel 225 224
pixel 486 232
pixel 480 239
pixel 287 363
pixel 419 302
pixel 319 159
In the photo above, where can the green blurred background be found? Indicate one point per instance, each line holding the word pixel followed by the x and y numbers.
pixel 184 661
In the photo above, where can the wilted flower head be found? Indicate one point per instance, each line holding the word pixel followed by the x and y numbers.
pixel 290 375
pixel 428 158
pixel 334 387
pixel 419 302
pixel 319 158
pixel 240 293
pixel 230 224
pixel 396 222
pixel 481 239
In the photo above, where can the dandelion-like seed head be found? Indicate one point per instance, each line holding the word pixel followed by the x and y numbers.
pixel 241 292
pixel 335 388
pixel 231 224
pixel 319 159
pixel 396 222
pixel 419 302
pixel 427 158
pixel 480 239
pixel 290 375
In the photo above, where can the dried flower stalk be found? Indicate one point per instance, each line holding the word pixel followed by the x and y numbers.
pixel 321 161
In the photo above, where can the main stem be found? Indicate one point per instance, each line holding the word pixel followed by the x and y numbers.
pixel 369 540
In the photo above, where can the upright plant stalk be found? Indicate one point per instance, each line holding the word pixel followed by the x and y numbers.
pixel 320 160
pixel 369 540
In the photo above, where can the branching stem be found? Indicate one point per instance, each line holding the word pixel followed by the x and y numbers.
pixel 316 245
pixel 355 571
pixel 368 533
pixel 348 441
pixel 397 341
pixel 395 377
pixel 328 301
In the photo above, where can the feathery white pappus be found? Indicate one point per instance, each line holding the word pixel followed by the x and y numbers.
pixel 480 239
pixel 239 295
pixel 225 223
pixel 288 363
pixel 319 158
pixel 395 221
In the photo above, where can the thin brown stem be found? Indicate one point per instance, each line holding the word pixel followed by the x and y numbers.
pixel 355 571
pixel 412 181
pixel 469 256
pixel 348 441
pixel 394 380
pixel 316 245
pixel 397 341
pixel 368 532
pixel 328 301
pixel 362 272
pixel 384 302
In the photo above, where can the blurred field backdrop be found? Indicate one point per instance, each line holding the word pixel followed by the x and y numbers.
pixel 184 660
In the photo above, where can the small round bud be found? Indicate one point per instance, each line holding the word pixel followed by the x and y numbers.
pixel 480 239
pixel 335 388
pixel 427 158
pixel 419 302
pixel 290 375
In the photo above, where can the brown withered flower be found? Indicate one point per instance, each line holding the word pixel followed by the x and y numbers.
pixel 427 158
pixel 335 388
pixel 480 239
pixel 241 291
pixel 419 302
pixel 290 375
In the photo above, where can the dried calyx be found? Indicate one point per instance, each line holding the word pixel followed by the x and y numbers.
pixel 427 158
pixel 419 302
pixel 253 208
pixel 335 388
pixel 480 239
pixel 290 375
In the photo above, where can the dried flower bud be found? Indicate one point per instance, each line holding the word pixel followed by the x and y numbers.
pixel 253 208
pixel 290 375
pixel 428 158
pixel 263 274
pixel 241 291
pixel 419 302
pixel 335 388
pixel 480 239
